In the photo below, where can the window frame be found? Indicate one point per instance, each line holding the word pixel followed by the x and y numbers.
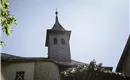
pixel 62 41
pixel 55 41
pixel 19 75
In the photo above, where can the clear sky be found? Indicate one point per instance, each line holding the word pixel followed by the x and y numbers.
pixel 100 28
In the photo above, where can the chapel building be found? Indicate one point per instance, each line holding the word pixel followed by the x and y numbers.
pixel 41 68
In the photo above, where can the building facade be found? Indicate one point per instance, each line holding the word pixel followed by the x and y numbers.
pixel 29 69
pixel 124 62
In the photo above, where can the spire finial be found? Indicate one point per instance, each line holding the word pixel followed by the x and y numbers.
pixel 56 15
pixel 56 12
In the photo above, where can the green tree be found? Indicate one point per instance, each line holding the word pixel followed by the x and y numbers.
pixel 92 71
pixel 7 19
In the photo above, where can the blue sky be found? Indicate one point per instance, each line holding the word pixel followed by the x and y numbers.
pixel 99 28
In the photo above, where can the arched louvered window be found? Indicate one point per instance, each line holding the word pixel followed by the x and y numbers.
pixel 55 41
pixel 62 41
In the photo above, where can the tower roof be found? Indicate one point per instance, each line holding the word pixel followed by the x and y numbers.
pixel 57 25
pixel 57 28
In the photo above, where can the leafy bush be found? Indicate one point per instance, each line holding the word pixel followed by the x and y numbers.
pixel 90 72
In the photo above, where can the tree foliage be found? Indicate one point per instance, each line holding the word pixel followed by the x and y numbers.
pixel 6 19
pixel 90 72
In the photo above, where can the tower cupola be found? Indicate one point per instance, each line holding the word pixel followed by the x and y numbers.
pixel 57 41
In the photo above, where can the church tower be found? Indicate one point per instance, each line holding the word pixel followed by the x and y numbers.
pixel 57 41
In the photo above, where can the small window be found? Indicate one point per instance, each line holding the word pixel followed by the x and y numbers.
pixel 62 41
pixel 19 75
pixel 55 41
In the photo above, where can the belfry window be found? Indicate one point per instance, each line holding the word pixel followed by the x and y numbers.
pixel 55 41
pixel 62 41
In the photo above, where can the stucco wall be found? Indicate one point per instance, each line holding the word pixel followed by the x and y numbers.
pixel 126 65
pixel 8 70
pixel 1 72
pixel 59 52
pixel 46 71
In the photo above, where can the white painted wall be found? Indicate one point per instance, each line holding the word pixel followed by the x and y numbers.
pixel 8 70
pixel 1 72
pixel 41 70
